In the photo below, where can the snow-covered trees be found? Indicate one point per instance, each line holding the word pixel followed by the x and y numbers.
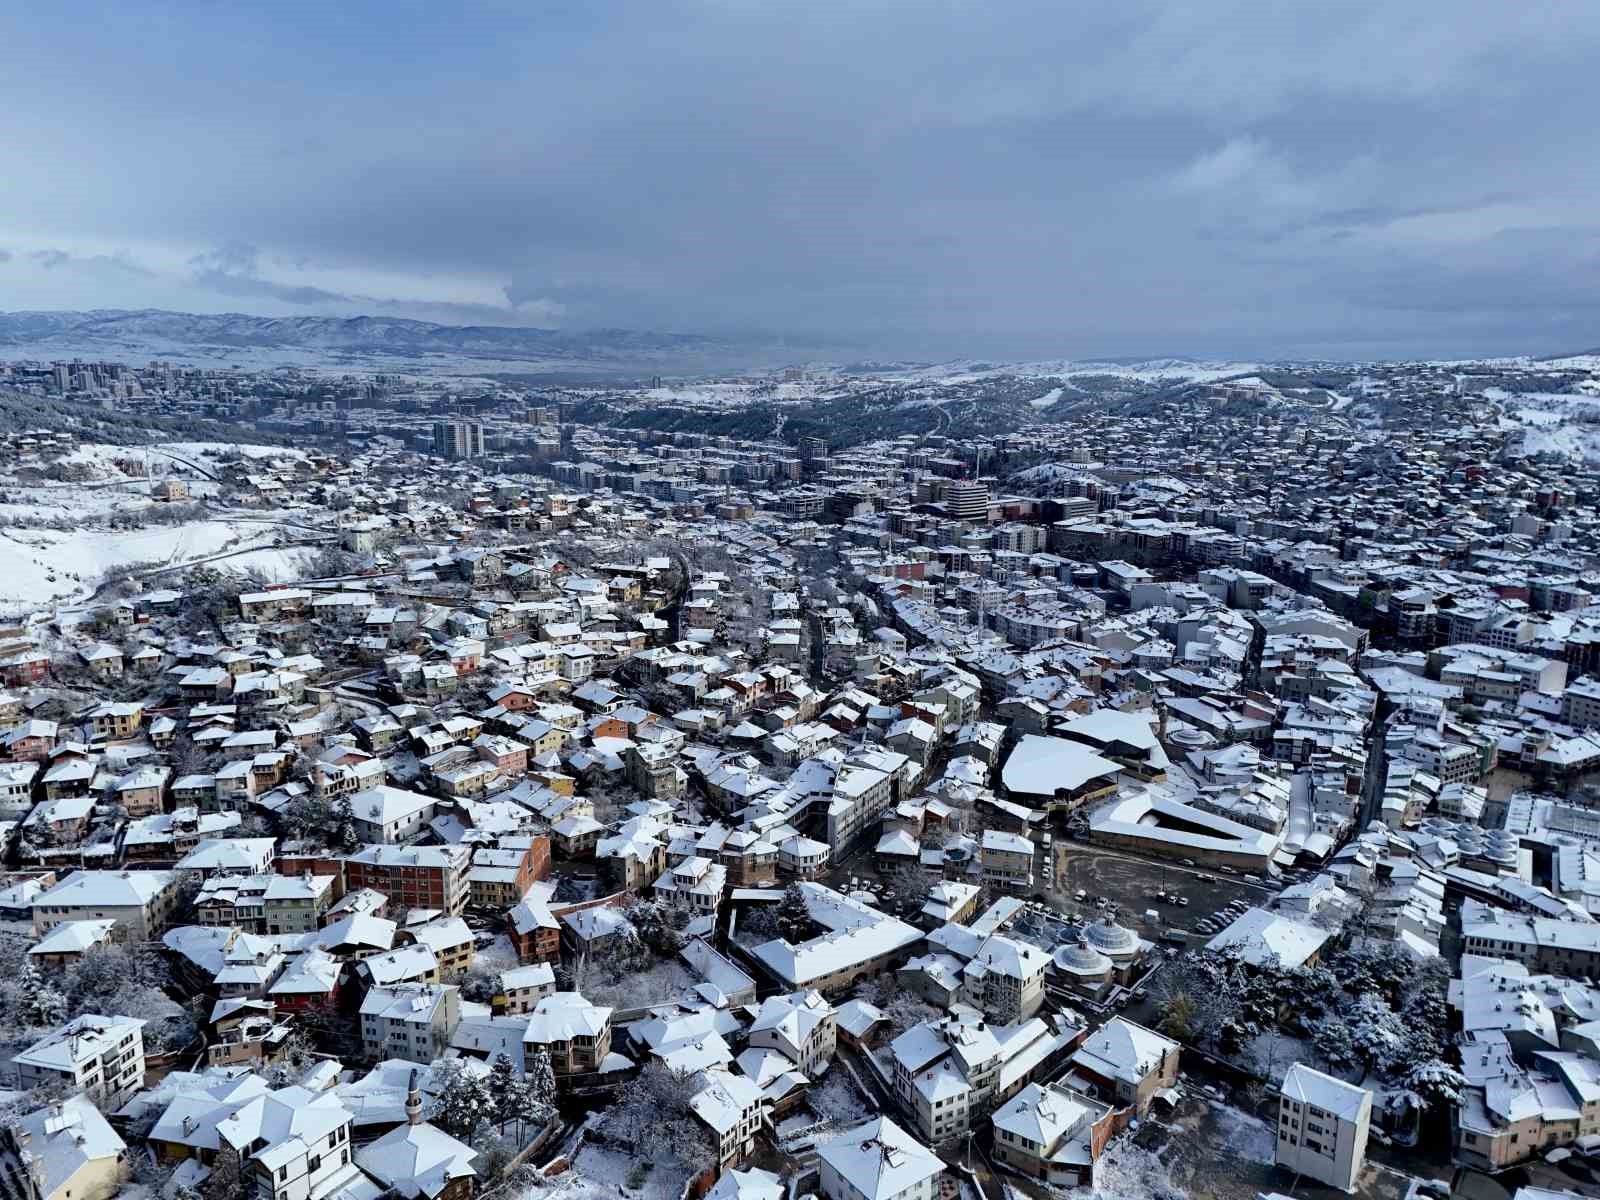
pixel 837 1101
pixel 227 1180
pixel 501 1107
pixel 481 980
pixel 758 924
pixel 1213 998
pixel 653 1116
pixel 463 1104
pixel 524 1102
pixel 539 1081
pixel 119 980
pixel 329 823
pixel 41 1004
pixel 660 925
pixel 1370 1011
pixel 794 918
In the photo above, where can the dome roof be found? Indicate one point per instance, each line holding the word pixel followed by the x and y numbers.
pixel 1080 958
pixel 1107 936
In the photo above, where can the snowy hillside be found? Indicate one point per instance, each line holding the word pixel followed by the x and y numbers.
pixel 59 537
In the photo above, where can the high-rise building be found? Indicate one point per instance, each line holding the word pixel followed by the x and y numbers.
pixel 967 500
pixel 458 438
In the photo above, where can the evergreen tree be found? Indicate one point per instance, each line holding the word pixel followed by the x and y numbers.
pixel 794 918
pixel 227 1179
pixel 541 1086
pixel 463 1105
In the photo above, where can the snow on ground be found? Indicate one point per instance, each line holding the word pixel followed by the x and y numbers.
pixel 44 565
pixel 1269 1054
pixel 1548 400
pixel 1050 473
pixel 73 501
pixel 161 458
pixel 216 449
pixel 1574 441
pixel 734 395
pixel 604 1173
pixel 1048 400
pixel 280 564
pixel 1536 416
pixel 1163 370
pixel 1243 1135
pixel 50 565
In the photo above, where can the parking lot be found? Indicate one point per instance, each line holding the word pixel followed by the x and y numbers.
pixel 1132 886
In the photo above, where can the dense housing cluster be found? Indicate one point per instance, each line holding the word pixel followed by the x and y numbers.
pixel 499 789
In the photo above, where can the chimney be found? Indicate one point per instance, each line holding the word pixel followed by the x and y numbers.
pixel 413 1101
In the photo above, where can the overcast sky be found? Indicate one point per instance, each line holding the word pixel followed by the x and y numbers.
pixel 1340 179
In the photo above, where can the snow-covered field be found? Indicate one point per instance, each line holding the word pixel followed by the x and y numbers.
pixel 1163 370
pixel 733 395
pixel 1244 1136
pixel 1574 441
pixel 1048 400
pixel 1053 472
pixel 45 566
pixel 1552 422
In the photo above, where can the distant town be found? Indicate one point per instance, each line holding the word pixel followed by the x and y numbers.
pixel 885 782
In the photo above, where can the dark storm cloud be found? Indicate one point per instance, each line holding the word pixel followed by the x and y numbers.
pixel 234 270
pixel 1030 178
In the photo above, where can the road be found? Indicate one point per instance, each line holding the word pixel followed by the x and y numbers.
pixel 1372 783
pixel 672 611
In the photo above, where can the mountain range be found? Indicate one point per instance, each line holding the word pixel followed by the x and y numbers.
pixel 376 342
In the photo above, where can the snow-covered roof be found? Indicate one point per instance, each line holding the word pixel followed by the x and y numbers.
pixel 417 1160
pixel 1122 1050
pixel 79 1040
pixel 1260 936
pixel 1041 765
pixel 107 889
pixel 1308 1086
pixel 63 1139
pixel 73 937
pixel 879 1159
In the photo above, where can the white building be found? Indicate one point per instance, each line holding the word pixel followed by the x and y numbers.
pixel 140 902
pixel 290 1144
pixel 391 815
pixel 416 1160
pixel 1322 1127
pixel 1052 1134
pixel 103 1056
pixel 730 1105
pixel 801 1026
pixel 411 1021
pixel 877 1160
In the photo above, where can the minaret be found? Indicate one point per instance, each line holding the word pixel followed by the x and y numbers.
pixel 413 1101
